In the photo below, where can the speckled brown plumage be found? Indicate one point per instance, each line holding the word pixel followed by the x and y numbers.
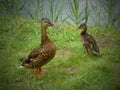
pixel 88 41
pixel 43 53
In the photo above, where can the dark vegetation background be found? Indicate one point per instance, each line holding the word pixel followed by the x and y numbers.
pixel 71 69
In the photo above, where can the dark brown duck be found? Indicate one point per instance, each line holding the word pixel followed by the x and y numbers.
pixel 43 53
pixel 88 41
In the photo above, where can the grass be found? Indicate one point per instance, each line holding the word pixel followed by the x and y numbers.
pixel 55 10
pixel 110 8
pixel 76 13
pixel 11 7
pixel 96 18
pixel 71 68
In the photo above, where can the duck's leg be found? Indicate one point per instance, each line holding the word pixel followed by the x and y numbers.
pixel 37 73
pixel 87 51
pixel 41 72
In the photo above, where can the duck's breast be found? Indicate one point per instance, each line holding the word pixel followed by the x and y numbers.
pixel 47 51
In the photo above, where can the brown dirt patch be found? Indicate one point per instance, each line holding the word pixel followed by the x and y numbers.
pixel 63 53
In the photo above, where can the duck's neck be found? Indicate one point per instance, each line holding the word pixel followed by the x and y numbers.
pixel 44 36
pixel 84 31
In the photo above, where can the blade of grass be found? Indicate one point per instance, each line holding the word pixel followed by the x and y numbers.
pixel 86 12
pixel 75 13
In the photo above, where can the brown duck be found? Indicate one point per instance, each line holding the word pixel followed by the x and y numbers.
pixel 88 41
pixel 43 53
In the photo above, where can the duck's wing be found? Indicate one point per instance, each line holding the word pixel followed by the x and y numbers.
pixel 35 52
pixel 93 43
pixel 33 59
pixel 91 40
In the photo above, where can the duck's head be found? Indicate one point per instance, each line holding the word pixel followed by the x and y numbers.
pixel 83 26
pixel 46 23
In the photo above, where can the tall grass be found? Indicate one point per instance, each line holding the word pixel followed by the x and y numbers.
pixel 12 7
pixel 55 9
pixel 86 12
pixel 95 14
pixel 38 9
pixel 112 12
pixel 75 16
pixel 76 13
pixel 69 11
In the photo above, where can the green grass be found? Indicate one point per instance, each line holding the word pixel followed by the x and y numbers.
pixel 71 68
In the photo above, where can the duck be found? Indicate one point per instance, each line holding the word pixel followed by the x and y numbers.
pixel 88 40
pixel 43 53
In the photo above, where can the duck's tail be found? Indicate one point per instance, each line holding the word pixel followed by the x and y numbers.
pixel 96 51
pixel 23 60
pixel 25 63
